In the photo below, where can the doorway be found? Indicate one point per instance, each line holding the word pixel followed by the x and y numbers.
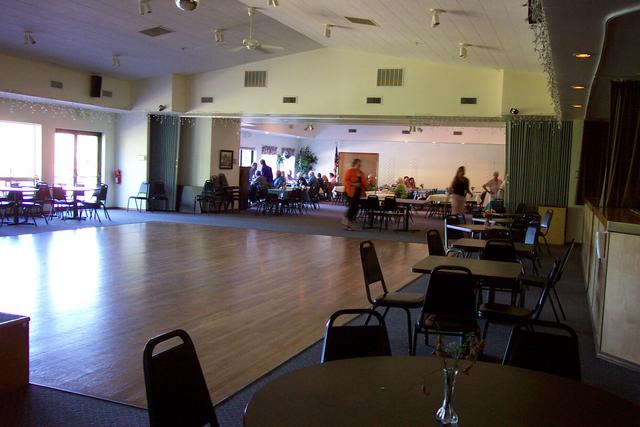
pixel 77 158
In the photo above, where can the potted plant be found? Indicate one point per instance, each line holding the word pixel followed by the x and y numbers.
pixel 306 160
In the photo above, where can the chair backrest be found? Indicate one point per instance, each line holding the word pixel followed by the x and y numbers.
pixel 553 353
pixel 144 189
pixel 157 189
pixel 222 180
pixel 546 219
pixel 102 193
pixel 434 243
pixel 389 204
pixel 372 203
pixel 450 234
pixel 58 193
pixel 346 342
pixel 208 187
pixel 177 392
pixel 371 269
pixel 451 293
pixel 499 250
pixel 43 194
pixel 531 238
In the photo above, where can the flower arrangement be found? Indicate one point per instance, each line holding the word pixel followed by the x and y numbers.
pixel 488 213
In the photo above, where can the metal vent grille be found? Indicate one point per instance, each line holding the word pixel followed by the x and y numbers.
pixel 457 132
pixel 56 84
pixel 361 21
pixel 374 100
pixel 390 76
pixel 353 130
pixel 206 100
pixel 290 100
pixel 255 79
pixel 107 94
pixel 156 31
pixel 406 132
pixel 468 100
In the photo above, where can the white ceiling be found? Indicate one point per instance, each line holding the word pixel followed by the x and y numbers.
pixel 84 34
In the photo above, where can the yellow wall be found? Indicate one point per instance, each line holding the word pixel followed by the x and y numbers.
pixel 32 78
pixel 527 92
pixel 336 82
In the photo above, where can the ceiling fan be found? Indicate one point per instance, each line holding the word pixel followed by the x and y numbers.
pixel 252 44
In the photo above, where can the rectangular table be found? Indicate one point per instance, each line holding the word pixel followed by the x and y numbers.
pixel 407 203
pixel 522 249
pixel 77 191
pixel 501 221
pixel 476 228
pixel 23 190
pixel 480 269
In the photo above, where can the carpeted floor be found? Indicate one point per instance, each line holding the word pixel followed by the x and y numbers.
pixel 38 406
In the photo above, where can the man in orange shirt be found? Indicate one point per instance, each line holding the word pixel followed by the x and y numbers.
pixel 355 182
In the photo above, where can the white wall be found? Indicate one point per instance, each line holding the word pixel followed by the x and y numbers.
pixel 257 140
pixel 52 117
pixel 132 131
pixel 432 165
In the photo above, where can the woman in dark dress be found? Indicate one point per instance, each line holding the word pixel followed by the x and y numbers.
pixel 459 190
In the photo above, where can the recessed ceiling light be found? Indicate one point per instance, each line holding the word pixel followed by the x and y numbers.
pixel 266 133
pixel 433 142
pixel 577 105
pixel 577 87
pixel 582 55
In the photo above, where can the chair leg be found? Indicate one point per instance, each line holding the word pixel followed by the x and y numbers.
pixel 546 244
pixel 553 307
pixel 415 341
pixel 409 329
pixel 559 304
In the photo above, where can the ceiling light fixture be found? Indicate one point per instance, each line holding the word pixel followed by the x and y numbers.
pixel 144 7
pixel 187 5
pixel 218 35
pixel 582 55
pixel 309 128
pixel 577 87
pixel 273 3
pixel 435 17
pixel 327 30
pixel 462 52
pixel 115 60
pixel 577 105
pixel 28 38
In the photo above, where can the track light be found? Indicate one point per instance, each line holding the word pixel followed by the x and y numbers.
pixel 144 7
pixel 115 60
pixel 327 30
pixel 28 38
pixel 187 5
pixel 435 17
pixel 273 3
pixel 309 128
pixel 162 107
pixel 218 35
pixel 462 52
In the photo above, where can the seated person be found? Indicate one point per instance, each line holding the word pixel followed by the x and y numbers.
pixel 279 180
pixel 290 178
pixel 301 180
pixel 371 183
pixel 259 182
pixel 312 181
pixel 332 179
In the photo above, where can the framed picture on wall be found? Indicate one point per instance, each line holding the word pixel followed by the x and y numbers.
pixel 226 159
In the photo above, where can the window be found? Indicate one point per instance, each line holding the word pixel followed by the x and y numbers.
pixel 20 151
pixel 247 156
pixel 78 158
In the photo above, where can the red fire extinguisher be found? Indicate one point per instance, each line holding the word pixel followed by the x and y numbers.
pixel 117 175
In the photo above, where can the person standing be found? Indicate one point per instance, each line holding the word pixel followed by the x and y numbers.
pixel 266 171
pixel 492 187
pixel 252 172
pixel 459 190
pixel 355 181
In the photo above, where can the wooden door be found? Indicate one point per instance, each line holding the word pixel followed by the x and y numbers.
pixel 369 163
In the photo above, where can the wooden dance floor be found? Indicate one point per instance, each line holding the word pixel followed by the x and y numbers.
pixel 250 299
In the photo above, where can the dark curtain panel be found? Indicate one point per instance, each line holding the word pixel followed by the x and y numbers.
pixel 592 163
pixel 164 140
pixel 538 161
pixel 622 179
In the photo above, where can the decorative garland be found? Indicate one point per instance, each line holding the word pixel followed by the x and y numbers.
pixel 56 110
pixel 542 46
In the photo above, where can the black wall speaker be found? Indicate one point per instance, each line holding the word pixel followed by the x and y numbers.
pixel 96 86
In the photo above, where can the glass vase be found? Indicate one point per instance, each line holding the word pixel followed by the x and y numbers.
pixel 446 414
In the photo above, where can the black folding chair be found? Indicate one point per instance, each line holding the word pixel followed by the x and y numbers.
pixel 177 393
pixel 554 353
pixel 449 305
pixel 349 341
pixel 505 251
pixel 373 275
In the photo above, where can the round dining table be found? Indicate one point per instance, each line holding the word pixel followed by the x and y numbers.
pixel 387 391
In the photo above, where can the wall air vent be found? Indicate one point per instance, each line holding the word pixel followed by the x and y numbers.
pixel 361 21
pixel 457 132
pixel 390 76
pixel 107 94
pixel 406 132
pixel 206 100
pixel 289 99
pixel 156 31
pixel 374 100
pixel 353 130
pixel 255 79
pixel 56 85
pixel 468 100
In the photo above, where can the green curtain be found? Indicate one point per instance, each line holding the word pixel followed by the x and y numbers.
pixel 622 179
pixel 538 161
